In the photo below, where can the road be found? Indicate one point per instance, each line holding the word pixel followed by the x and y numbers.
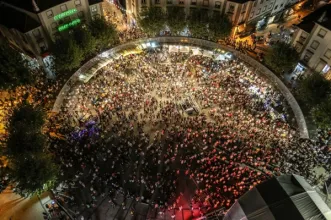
pixel 15 207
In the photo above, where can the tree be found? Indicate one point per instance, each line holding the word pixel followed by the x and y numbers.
pixel 313 89
pixel 219 27
pixel 104 33
pixel 24 130
pixel 152 20
pixel 176 19
pixel 84 39
pixel 198 23
pixel 34 173
pixel 14 69
pixel 321 114
pixel 281 57
pixel 67 54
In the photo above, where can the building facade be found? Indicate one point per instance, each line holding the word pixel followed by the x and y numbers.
pixel 312 40
pixel 238 11
pixel 30 26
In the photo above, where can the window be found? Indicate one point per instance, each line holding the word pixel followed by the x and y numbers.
pixel 63 8
pixel 281 5
pixel 231 9
pixel 244 8
pixel 314 44
pixel 78 3
pixel 81 14
pixel 181 2
pixel 143 2
pixel 169 2
pixel 205 3
pixel 54 26
pixel 307 56
pixel 193 2
pixel 258 11
pixel 321 33
pixel 36 33
pixel 94 9
pixel 49 13
pixel 328 54
pixel 157 1
pixel 218 5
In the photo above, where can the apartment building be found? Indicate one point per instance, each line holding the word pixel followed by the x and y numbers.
pixel 31 25
pixel 312 40
pixel 239 11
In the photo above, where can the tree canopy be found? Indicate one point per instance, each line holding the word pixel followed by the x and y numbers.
pixel 176 19
pixel 104 33
pixel 14 69
pixel 84 39
pixel 281 57
pixel 321 114
pixel 34 173
pixel 31 167
pixel 198 23
pixel 313 89
pixel 67 54
pixel 219 27
pixel 152 20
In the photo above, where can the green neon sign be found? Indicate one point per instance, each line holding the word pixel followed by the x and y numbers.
pixel 71 24
pixel 65 14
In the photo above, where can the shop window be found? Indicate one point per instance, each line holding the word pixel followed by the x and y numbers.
pixel 63 8
pixel 328 53
pixel 78 3
pixel 49 13
pixel 321 33
pixel 314 44
pixel 218 5
pixel 193 2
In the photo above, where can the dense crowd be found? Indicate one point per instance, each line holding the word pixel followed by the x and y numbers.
pixel 153 124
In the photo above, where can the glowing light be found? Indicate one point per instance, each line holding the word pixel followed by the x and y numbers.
pixel 65 14
pixel 71 24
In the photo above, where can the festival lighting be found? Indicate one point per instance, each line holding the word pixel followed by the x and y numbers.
pixel 68 25
pixel 65 14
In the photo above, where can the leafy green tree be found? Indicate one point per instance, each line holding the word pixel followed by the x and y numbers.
pixel 33 173
pixel 84 39
pixel 104 32
pixel 152 20
pixel 24 130
pixel 321 114
pixel 176 19
pixel 313 89
pixel 198 23
pixel 281 57
pixel 14 69
pixel 67 54
pixel 219 27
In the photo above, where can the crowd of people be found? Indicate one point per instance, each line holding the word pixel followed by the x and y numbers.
pixel 160 125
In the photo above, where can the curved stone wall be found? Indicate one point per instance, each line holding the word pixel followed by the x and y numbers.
pixel 102 59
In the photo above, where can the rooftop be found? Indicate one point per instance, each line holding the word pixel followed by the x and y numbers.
pixel 22 22
pixel 321 16
pixel 41 4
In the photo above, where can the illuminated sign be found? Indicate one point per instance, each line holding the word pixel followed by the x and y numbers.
pixel 65 14
pixel 71 24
